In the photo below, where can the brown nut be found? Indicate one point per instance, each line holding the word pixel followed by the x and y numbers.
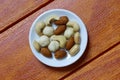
pixel 60 54
pixel 77 37
pixel 60 29
pixel 74 50
pixel 46 52
pixel 70 43
pixel 62 21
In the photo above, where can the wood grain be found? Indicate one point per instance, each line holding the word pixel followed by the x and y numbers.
pixel 102 20
pixel 12 11
pixel 106 67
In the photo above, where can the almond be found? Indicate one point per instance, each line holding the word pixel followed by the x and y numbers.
pixel 62 21
pixel 60 29
pixel 46 52
pixel 60 54
pixel 70 43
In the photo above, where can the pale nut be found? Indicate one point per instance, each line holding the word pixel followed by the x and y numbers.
pixel 48 30
pixel 39 27
pixel 77 38
pixel 51 19
pixel 74 50
pixel 44 41
pixel 60 38
pixel 53 46
pixel 36 45
pixel 74 24
pixel 68 32
pixel 52 38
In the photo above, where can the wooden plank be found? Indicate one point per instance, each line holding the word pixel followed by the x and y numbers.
pixel 12 11
pixel 102 21
pixel 106 67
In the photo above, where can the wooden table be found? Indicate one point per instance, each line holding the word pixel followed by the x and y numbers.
pixel 101 60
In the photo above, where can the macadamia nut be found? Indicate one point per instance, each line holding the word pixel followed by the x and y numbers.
pixel 53 46
pixel 48 31
pixel 44 41
pixel 68 32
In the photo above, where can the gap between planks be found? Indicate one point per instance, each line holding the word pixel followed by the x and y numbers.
pixel 102 53
pixel 25 16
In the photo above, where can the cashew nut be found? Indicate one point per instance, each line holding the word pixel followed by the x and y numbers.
pixel 53 46
pixel 68 32
pixel 52 38
pixel 51 19
pixel 59 38
pixel 39 26
pixel 73 24
pixel 44 41
pixel 48 31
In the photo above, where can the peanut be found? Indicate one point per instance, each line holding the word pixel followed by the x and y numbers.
pixel 77 37
pixel 36 45
pixel 74 50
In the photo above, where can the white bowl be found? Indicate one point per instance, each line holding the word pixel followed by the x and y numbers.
pixel 69 59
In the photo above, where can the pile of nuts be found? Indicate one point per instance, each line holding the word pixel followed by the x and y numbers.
pixel 56 42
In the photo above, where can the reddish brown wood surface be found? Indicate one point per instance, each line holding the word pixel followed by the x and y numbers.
pixel 101 18
pixel 12 11
pixel 106 67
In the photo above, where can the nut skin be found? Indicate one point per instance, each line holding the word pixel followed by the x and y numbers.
pixel 60 54
pixel 60 29
pixel 46 52
pixel 70 43
pixel 62 21
pixel 74 50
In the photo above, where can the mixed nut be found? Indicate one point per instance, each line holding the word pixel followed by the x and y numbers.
pixel 65 37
